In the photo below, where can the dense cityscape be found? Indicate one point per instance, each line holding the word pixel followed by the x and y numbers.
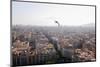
pixel 32 45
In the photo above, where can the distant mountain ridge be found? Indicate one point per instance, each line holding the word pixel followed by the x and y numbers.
pixel 89 25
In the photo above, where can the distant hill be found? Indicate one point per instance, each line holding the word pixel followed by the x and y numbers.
pixel 89 25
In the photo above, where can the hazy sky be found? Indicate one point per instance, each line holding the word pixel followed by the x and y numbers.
pixel 44 14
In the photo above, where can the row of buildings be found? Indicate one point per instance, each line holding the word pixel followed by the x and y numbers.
pixel 37 45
